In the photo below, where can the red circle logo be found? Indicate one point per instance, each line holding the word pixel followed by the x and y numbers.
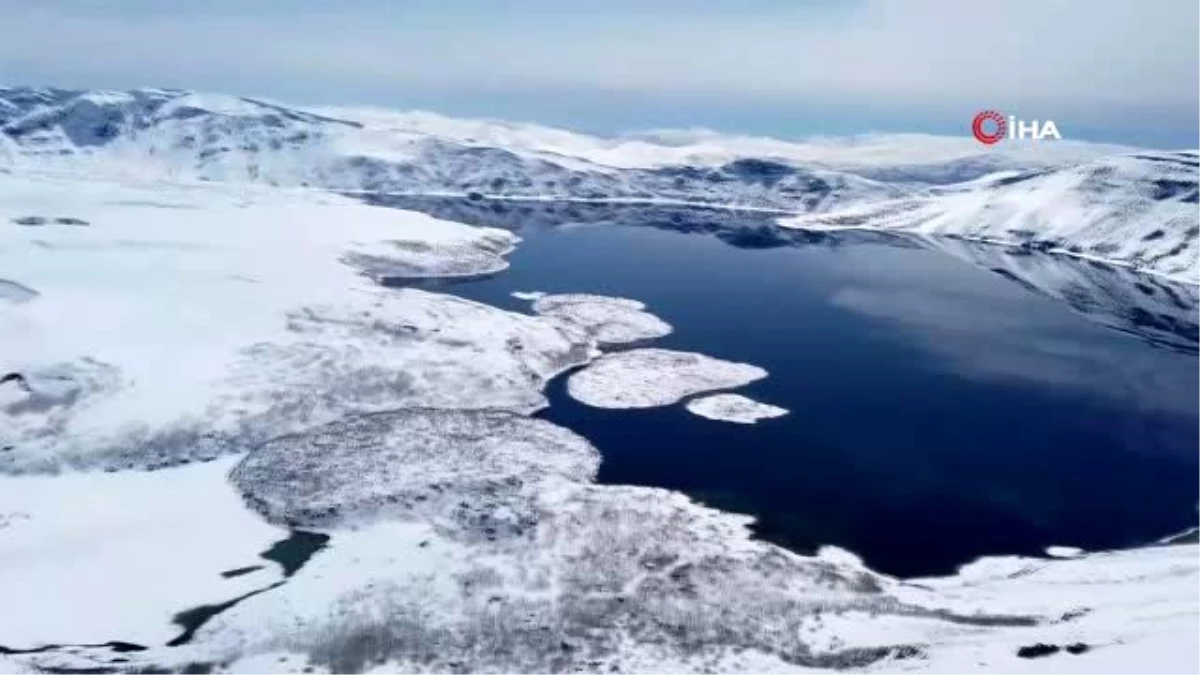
pixel 980 124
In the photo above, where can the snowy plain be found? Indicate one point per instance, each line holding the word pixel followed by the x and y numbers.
pixel 239 312
pixel 190 367
pixel 76 547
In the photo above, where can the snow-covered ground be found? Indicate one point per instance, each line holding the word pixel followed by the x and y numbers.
pixel 188 135
pixel 93 557
pixel 210 137
pixel 191 322
pixel 652 377
pixel 702 147
pixel 473 473
pixel 611 321
pixel 635 578
pixel 192 360
pixel 1110 202
pixel 734 408
pixel 11 291
pixel 1139 210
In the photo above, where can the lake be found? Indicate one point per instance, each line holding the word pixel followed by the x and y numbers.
pixel 942 408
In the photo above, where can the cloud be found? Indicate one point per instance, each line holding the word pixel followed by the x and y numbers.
pixel 1093 58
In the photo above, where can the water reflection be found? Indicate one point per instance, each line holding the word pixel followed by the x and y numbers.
pixel 940 411
pixel 741 228
pixel 990 331
pixel 1160 312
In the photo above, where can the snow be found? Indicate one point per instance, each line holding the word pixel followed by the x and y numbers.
pixel 94 557
pixel 634 579
pixel 252 314
pixel 896 150
pixel 219 104
pixel 398 592
pixel 1138 210
pixel 103 98
pixel 207 319
pixel 1187 536
pixel 10 667
pixel 212 137
pixel 410 260
pixel 611 321
pixel 273 662
pixel 734 408
pixel 1130 607
pixel 11 291
pixel 472 472
pixel 648 378
pixel 702 147
pixel 370 574
pixel 193 137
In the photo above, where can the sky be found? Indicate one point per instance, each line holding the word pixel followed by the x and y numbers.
pixel 1124 71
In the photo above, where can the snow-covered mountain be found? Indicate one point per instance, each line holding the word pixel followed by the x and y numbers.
pixel 1109 202
pixel 279 464
pixel 192 136
pixel 187 135
pixel 1136 209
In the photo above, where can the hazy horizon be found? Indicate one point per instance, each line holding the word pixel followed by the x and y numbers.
pixel 1115 71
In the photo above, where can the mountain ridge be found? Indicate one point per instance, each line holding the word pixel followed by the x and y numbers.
pixel 1138 210
pixel 191 135
pixel 1122 204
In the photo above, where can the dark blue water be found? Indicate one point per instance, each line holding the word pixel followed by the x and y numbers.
pixel 939 411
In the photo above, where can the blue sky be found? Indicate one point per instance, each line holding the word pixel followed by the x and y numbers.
pixel 1110 70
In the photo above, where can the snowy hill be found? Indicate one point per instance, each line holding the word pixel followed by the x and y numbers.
pixel 1136 209
pixel 190 136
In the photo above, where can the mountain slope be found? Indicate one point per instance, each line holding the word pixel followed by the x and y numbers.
pixel 1138 209
pixel 191 136
pixel 907 157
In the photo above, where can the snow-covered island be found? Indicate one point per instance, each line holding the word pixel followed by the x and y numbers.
pixel 652 377
pixel 734 408
pixel 225 447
